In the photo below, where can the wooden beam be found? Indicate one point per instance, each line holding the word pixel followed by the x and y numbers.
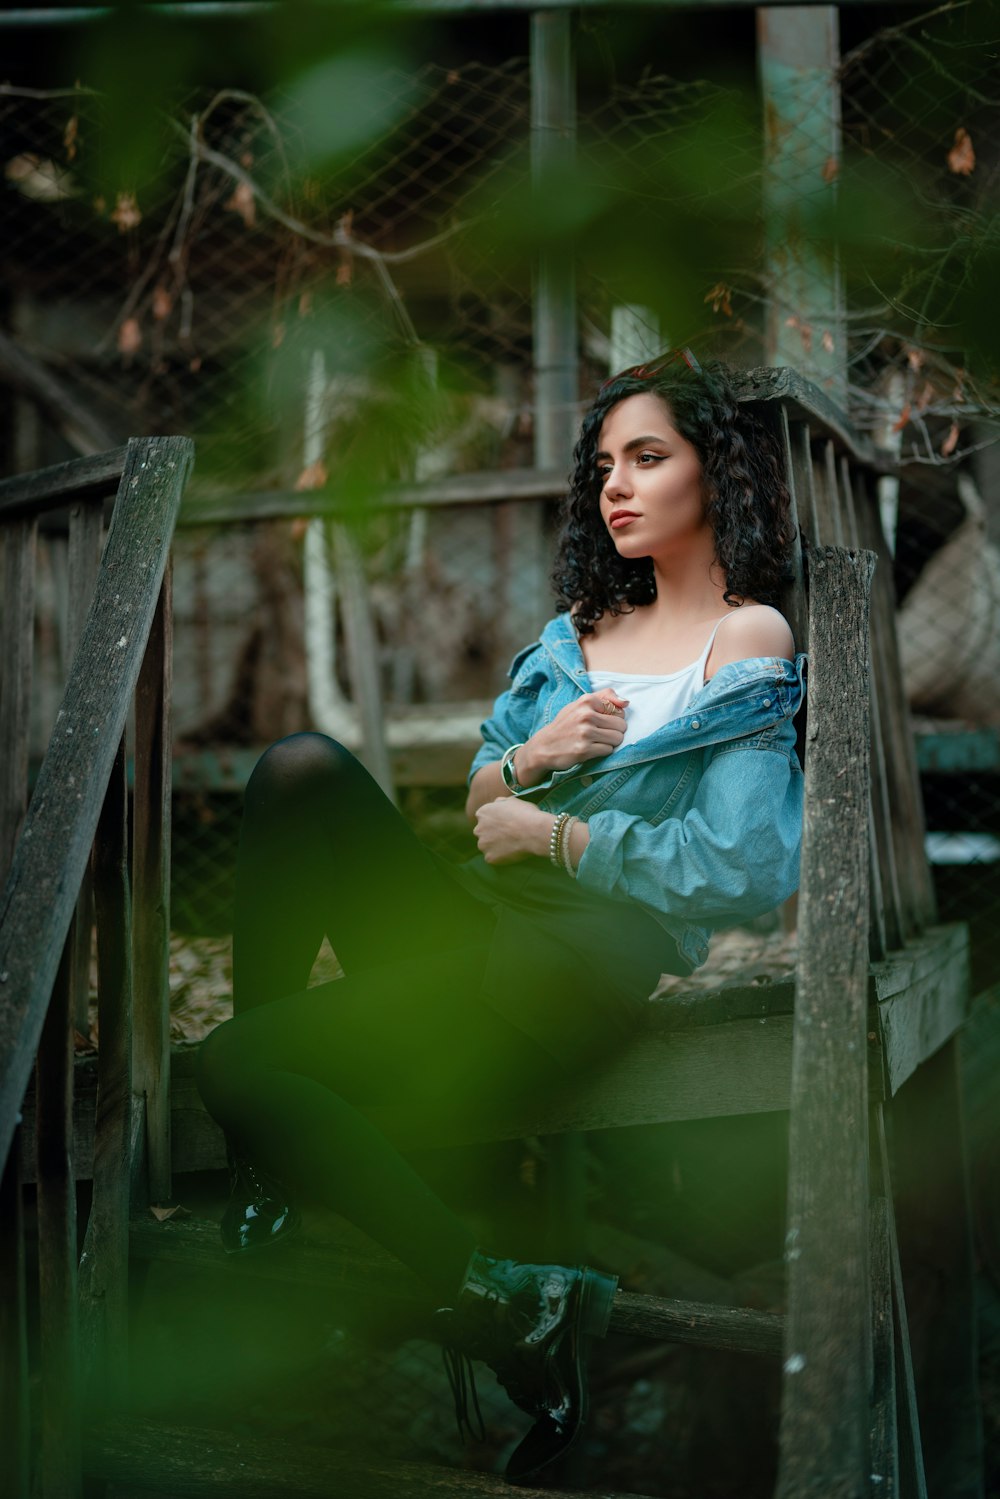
pixel 151 892
pixel 923 998
pixel 54 847
pixel 182 1461
pixel 18 616
pixel 52 488
pixel 824 1420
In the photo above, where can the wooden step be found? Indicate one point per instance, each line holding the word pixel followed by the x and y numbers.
pixel 186 1462
pixel 335 1266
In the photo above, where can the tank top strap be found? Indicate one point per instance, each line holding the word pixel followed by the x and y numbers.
pixel 698 668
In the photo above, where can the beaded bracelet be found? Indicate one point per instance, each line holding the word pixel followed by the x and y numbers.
pixel 555 838
pixel 565 852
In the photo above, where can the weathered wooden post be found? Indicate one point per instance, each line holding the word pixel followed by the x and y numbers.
pixel 798 55
pixel 825 1398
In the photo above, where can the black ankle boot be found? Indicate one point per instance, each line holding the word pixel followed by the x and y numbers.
pixel 258 1212
pixel 529 1323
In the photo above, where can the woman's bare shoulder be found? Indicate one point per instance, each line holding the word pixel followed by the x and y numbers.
pixel 752 630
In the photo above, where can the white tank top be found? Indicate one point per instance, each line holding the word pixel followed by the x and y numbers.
pixel 655 700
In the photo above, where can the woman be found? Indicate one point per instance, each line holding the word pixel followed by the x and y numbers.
pixel 637 785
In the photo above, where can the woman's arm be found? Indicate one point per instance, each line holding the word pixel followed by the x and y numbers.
pixel 733 855
pixel 507 829
pixel 582 730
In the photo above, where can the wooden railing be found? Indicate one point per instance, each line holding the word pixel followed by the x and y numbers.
pixel 70 868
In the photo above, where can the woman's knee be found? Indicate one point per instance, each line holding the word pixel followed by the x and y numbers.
pixel 219 1071
pixel 300 764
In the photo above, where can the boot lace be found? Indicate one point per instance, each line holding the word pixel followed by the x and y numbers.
pixel 462 1380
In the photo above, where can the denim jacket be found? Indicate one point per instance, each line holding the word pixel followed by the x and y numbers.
pixel 700 822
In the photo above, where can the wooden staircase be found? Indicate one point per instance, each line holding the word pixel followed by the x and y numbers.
pixel 857 1046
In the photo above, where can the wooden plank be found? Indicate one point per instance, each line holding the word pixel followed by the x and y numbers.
pixel 915 1000
pixel 15 1437
pixel 935 1241
pixel 807 403
pixel 794 605
pixel 104 1262
pixel 497 486
pixel 886 926
pixel 901 762
pixel 59 1447
pixel 15 682
pixel 344 1267
pixel 801 482
pixel 193 1461
pixel 915 1020
pixel 52 488
pixel 86 537
pixel 832 504
pixel 912 1479
pixel 151 894
pixel 52 854
pixel 885 1436
pixel 824 1419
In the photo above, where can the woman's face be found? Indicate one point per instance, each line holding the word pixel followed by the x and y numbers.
pixel 652 494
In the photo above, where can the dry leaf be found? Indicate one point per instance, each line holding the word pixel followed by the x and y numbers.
pixel 915 358
pixel 161 1214
pixel 926 396
pixel 126 214
pixel 243 203
pixel 162 302
pixel 277 335
pixel 961 157
pixel 313 476
pixel 345 271
pixel 129 337
pixel 904 417
pixel 305 304
pixel 951 441
pixel 720 298
pixel 299 527
pixel 805 332
pixel 38 178
pixel 71 136
pixel 827 341
pixel 831 169
pixel 246 160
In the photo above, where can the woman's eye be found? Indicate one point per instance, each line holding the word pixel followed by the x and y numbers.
pixel 648 458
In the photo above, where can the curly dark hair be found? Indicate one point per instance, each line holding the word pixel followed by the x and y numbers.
pixel 746 497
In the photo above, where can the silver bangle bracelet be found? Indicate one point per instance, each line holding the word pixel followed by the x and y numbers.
pixel 507 770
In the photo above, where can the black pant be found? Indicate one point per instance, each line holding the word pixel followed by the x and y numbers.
pixel 290 1078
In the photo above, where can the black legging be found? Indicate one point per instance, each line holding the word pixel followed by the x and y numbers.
pixel 323 851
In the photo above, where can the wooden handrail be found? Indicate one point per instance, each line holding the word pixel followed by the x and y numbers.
pixel 55 843
pixel 30 495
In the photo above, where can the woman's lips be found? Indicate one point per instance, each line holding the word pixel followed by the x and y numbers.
pixel 621 518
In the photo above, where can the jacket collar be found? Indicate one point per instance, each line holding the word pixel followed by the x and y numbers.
pixel 733 702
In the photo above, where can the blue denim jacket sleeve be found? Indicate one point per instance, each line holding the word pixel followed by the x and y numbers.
pixel 513 712
pixel 732 855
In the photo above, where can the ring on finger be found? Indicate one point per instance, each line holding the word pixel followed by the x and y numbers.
pixel 608 707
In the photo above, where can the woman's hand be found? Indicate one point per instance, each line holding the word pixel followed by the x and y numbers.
pixel 508 829
pixel 593 725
